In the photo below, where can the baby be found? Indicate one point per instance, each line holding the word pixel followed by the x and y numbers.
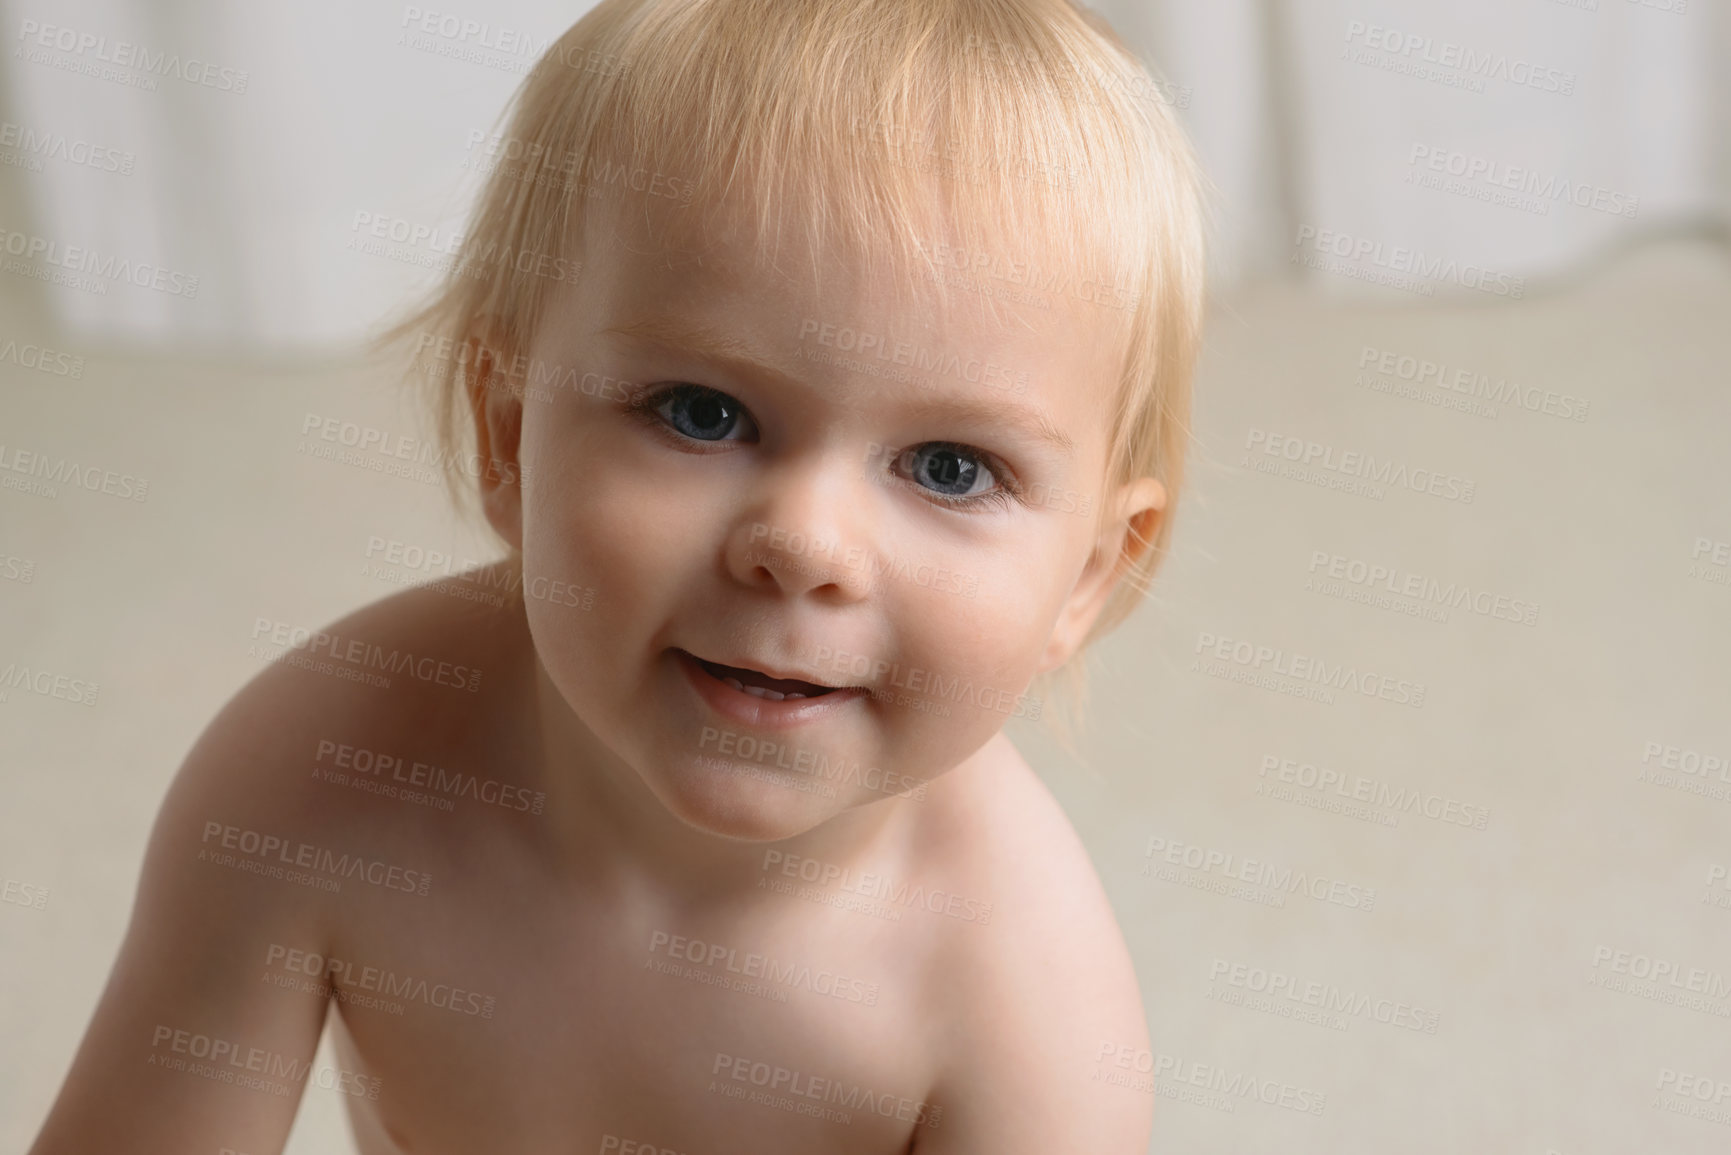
pixel 823 367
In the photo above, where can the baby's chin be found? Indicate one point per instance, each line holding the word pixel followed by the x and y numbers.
pixel 741 801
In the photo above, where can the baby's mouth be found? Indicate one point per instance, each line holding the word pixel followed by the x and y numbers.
pixel 760 685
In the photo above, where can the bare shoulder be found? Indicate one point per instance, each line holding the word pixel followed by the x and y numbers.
pixel 420 672
pixel 255 853
pixel 1034 1000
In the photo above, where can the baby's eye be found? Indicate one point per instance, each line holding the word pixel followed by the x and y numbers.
pixel 704 414
pixel 949 470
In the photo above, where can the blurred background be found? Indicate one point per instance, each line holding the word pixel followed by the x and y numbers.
pixel 1484 240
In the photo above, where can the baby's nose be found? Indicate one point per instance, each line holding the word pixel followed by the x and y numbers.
pixel 800 556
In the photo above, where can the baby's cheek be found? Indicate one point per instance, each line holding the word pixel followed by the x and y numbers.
pixel 590 521
pixel 1001 625
pixel 967 663
pixel 572 593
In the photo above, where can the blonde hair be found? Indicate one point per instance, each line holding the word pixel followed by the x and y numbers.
pixel 1027 118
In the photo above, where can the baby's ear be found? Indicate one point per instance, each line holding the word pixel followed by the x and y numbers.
pixel 1127 532
pixel 496 406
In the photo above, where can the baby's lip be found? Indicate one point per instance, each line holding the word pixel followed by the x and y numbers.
pixel 783 682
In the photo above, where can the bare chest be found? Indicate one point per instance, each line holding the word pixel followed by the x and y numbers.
pixel 499 1023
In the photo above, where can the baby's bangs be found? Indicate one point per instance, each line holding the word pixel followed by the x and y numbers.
pixel 970 143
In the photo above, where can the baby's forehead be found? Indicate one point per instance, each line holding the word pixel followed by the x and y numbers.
pixel 843 291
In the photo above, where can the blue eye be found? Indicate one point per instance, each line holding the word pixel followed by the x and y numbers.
pixel 952 471
pixel 702 414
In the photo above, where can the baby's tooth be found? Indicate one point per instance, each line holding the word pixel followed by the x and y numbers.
pixel 735 683
pixel 755 691
pixel 773 696
pixel 793 695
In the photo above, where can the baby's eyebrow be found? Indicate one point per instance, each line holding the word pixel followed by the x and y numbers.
pixel 1033 422
pixel 704 341
pixel 713 345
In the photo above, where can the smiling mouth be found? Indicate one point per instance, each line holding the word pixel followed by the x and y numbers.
pixel 760 685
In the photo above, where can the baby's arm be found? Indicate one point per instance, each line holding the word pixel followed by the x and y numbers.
pixel 190 976
pixel 1038 1008
pixel 1033 1079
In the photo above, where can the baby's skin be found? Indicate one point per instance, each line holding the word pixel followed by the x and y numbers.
pixel 693 828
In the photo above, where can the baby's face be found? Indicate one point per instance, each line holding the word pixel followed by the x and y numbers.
pixel 832 534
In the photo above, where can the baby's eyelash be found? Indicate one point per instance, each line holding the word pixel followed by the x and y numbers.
pixel 998 497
